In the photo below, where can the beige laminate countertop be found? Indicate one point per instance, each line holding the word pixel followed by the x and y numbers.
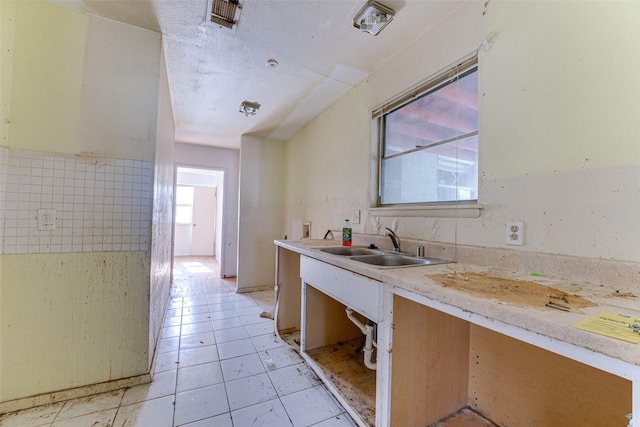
pixel 540 320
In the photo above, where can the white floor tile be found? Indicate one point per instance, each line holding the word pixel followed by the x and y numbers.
pixel 267 342
pixel 218 298
pixel 250 319
pixel 174 312
pixel 172 321
pixel 91 404
pixel 228 350
pixel 240 367
pixel 221 306
pixel 310 406
pixel 201 403
pixel 241 296
pixel 196 309
pixel 261 328
pixel 196 318
pixel 223 314
pixel 171 331
pixel 198 355
pixel 223 420
pixel 231 334
pixel 192 377
pixel 228 322
pixel 197 340
pixel 164 384
pixel 175 303
pixel 169 344
pixel 194 301
pixel 342 420
pixel 249 391
pixel 292 379
pixel 244 303
pixel 166 361
pixel 266 300
pixel 38 416
pixel 155 412
pixel 95 419
pixel 264 294
pixel 265 414
pixel 243 311
pixel 279 358
pixel 196 328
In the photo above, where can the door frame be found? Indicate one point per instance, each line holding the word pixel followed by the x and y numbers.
pixel 220 255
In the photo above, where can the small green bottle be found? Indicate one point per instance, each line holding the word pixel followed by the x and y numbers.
pixel 346 233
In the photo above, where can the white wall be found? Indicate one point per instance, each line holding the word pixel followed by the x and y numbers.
pixel 261 200
pixel 7 35
pixel 228 161
pixel 559 111
pixel 327 167
pixel 162 217
pixel 557 131
pixel 197 177
pixel 78 317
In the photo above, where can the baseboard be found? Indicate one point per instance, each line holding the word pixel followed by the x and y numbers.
pixel 72 393
pixel 254 289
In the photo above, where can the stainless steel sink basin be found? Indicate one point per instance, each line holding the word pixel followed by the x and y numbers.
pixel 349 250
pixel 379 258
pixel 396 260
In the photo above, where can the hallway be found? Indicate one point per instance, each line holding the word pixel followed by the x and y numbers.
pixel 219 364
pixel 199 275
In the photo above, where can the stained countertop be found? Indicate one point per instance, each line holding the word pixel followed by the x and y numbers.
pixel 443 285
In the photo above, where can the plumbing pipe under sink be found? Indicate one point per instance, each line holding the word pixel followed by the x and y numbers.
pixel 369 343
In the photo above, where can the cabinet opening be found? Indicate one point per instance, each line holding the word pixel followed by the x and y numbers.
pixel 446 366
pixel 333 345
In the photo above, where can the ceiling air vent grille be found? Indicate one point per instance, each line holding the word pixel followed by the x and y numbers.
pixel 225 12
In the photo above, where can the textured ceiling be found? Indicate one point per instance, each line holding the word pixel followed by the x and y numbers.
pixel 212 70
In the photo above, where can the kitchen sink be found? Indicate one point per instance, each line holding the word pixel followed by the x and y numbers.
pixel 350 250
pixel 390 260
pixel 379 258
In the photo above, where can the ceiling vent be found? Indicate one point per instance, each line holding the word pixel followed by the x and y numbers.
pixel 225 13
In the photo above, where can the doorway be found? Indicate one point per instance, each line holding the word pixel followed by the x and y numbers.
pixel 197 228
pixel 195 220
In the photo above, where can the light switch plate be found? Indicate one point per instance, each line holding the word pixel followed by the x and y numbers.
pixel 306 229
pixel 355 217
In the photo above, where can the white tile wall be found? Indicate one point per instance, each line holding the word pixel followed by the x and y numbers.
pixel 4 155
pixel 101 204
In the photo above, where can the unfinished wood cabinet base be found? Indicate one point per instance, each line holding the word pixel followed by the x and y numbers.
pixel 465 417
pixel 329 344
pixel 441 363
pixel 287 290
pixel 343 365
pixel 517 384
pixel 429 365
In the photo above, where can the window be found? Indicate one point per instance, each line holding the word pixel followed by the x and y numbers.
pixel 184 204
pixel 429 142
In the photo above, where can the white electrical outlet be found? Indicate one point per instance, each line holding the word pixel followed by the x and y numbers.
pixel 46 219
pixel 515 232
pixel 355 217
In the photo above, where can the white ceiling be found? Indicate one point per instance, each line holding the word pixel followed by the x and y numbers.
pixel 212 70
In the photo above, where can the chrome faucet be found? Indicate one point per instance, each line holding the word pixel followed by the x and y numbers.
pixel 394 238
